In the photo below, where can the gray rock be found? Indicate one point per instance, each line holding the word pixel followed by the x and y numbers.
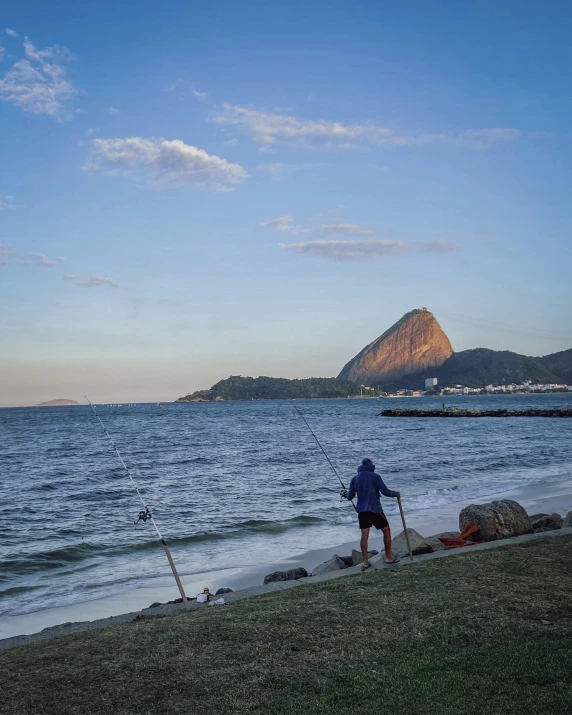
pixel 291 575
pixel 357 557
pixel 434 540
pixel 155 605
pixel 496 520
pixel 549 522
pixel 223 590
pixel 535 517
pixel 419 545
pixel 333 564
pixel 347 560
pixel 567 523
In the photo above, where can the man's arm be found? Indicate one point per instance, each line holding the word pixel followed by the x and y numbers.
pixel 352 489
pixel 384 490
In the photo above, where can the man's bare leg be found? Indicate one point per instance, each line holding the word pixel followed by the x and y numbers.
pixel 363 544
pixel 387 544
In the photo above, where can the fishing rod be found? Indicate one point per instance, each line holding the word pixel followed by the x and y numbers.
pixel 323 450
pixel 144 514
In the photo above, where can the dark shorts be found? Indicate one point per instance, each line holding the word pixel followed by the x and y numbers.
pixel 367 519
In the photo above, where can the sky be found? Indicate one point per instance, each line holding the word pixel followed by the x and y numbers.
pixel 192 190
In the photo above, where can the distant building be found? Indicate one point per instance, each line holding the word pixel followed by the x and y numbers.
pixel 430 382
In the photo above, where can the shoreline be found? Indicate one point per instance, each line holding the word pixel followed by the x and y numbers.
pixel 167 610
pixel 546 497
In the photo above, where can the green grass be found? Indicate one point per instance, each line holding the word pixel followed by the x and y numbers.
pixel 488 632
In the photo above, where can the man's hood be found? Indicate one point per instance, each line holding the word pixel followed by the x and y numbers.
pixel 366 468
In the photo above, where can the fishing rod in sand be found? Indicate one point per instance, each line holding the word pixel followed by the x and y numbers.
pixel 144 514
pixel 323 450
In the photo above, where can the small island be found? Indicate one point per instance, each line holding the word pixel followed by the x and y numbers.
pixel 61 402
pixel 237 387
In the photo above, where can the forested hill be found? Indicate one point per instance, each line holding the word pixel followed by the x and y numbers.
pixel 480 367
pixel 274 388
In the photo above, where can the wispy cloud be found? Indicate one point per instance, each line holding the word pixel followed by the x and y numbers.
pixel 6 202
pixel 164 162
pixel 278 168
pixel 367 250
pixel 9 256
pixel 282 223
pixel 112 110
pixel 39 83
pixel 69 277
pixel 232 142
pixel 286 225
pixel 201 96
pixel 100 282
pixel 349 229
pixel 11 33
pixel 268 129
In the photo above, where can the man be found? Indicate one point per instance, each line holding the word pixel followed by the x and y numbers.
pixel 368 486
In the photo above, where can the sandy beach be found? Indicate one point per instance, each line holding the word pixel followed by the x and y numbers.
pixel 548 497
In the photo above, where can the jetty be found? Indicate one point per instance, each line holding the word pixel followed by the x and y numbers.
pixel 457 412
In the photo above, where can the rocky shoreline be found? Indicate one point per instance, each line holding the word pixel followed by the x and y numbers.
pixel 478 524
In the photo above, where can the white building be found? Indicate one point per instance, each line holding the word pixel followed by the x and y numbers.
pixel 430 382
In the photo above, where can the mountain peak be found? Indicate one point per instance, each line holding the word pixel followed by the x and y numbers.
pixel 415 342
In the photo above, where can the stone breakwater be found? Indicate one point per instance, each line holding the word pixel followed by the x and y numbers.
pixel 456 412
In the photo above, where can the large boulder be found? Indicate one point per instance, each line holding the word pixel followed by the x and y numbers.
pixel 567 523
pixel 496 520
pixel 357 557
pixel 223 590
pixel 419 545
pixel 333 564
pixel 547 522
pixel 290 575
pixel 437 545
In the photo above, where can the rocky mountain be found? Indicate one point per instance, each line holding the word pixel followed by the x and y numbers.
pixel 414 344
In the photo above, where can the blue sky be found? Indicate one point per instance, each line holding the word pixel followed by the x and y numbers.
pixel 194 189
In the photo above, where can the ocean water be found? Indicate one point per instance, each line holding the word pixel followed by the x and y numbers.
pixel 233 484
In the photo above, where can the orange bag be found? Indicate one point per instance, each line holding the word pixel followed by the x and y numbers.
pixel 455 542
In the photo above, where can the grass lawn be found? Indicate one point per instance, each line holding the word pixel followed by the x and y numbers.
pixel 482 633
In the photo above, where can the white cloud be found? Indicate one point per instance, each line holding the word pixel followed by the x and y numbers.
pixel 39 83
pixel 232 142
pixel 11 33
pixel 2 52
pixel 6 202
pixel 99 282
pixel 69 277
pixel 367 250
pixel 282 223
pixel 351 229
pixel 113 110
pixel 269 129
pixel 164 162
pixel 201 96
pixel 277 168
pixel 286 224
pixel 9 256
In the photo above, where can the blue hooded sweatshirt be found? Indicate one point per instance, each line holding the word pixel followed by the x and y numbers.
pixel 368 486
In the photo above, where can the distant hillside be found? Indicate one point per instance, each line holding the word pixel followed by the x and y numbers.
pixel 416 342
pixel 560 363
pixel 57 403
pixel 273 388
pixel 480 367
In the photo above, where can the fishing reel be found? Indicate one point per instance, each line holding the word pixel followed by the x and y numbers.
pixel 144 514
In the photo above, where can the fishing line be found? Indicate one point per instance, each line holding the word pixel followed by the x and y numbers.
pixel 145 513
pixel 323 450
